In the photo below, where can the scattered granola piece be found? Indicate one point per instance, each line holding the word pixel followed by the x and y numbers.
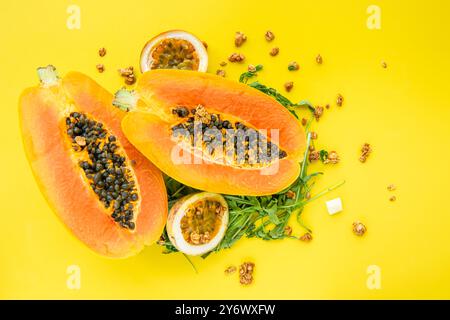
pixel 308 195
pixel 205 44
pixel 239 39
pixel 293 66
pixel 220 72
pixel 318 111
pixel 236 57
pixel 290 194
pixel 391 187
pixel 251 68
pixel 304 121
pixel 319 59
pixel 246 273
pixel 223 63
pixel 307 237
pixel 288 86
pixel 392 198
pixel 313 135
pixel 230 270
pixel 128 74
pixel 359 229
pixel 311 147
pixel 269 35
pixel 274 51
pixel 288 230
pixel 365 151
pixel 102 52
pixel 314 156
pixel 332 158
pixel 327 106
pixel 161 241
pixel 339 100
pixel 100 67
pixel 383 64
pixel 80 140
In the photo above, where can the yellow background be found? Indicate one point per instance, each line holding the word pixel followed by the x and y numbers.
pixel 402 111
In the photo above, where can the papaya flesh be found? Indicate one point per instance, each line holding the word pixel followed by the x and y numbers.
pixel 167 100
pixel 78 154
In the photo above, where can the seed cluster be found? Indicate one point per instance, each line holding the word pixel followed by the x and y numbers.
pixel 201 221
pixel 175 54
pixel 198 120
pixel 105 168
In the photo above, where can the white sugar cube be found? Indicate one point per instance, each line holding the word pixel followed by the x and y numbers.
pixel 334 206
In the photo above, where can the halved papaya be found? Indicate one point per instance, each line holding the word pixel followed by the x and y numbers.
pixel 103 189
pixel 170 103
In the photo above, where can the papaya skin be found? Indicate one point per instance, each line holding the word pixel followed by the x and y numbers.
pixel 148 127
pixel 42 111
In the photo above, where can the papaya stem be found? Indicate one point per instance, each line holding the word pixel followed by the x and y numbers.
pixel 125 100
pixel 48 76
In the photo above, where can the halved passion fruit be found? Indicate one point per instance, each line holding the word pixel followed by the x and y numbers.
pixel 197 222
pixel 174 49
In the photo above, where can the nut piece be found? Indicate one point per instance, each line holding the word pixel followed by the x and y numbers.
pixel 319 59
pixel 288 86
pixel 290 194
pixel 100 67
pixel 246 273
pixel 383 64
pixel 313 135
pixel 332 158
pixel 102 52
pixel 80 140
pixel 274 51
pixel 293 66
pixel 365 151
pixel 251 68
pixel 359 229
pixel 304 121
pixel 392 198
pixel 239 39
pixel 391 187
pixel 230 270
pixel 314 156
pixel 236 57
pixel 339 100
pixel 128 74
pixel 318 112
pixel 205 44
pixel 223 63
pixel 288 230
pixel 269 35
pixel 307 237
pixel 220 73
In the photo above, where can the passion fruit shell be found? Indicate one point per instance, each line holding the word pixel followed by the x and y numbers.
pixel 179 211
pixel 147 60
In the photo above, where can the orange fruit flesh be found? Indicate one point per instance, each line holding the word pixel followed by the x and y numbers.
pixel 43 112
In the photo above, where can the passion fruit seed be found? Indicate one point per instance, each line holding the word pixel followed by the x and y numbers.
pixel 242 134
pixel 175 53
pixel 105 167
pixel 202 221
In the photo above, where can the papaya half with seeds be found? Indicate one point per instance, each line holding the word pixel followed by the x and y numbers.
pixel 103 189
pixel 211 133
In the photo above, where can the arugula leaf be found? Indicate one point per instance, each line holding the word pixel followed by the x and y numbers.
pixel 250 74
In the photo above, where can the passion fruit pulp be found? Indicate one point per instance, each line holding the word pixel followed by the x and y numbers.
pixel 174 49
pixel 197 222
